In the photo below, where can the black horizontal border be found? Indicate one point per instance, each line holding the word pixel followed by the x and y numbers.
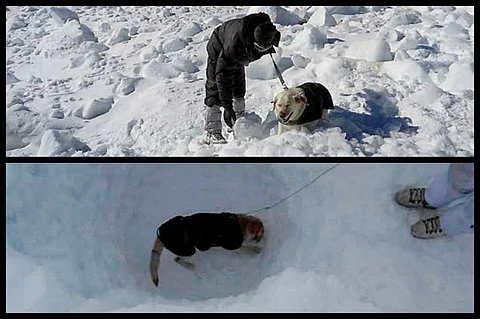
pixel 424 315
pixel 230 3
pixel 240 159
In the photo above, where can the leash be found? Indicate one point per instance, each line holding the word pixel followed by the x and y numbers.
pixel 279 74
pixel 296 192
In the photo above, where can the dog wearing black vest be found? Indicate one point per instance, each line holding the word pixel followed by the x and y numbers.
pixel 182 235
pixel 302 108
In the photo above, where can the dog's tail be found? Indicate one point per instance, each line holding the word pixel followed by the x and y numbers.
pixel 155 260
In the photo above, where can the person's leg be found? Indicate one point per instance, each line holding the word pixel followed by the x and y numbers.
pixel 213 119
pixel 455 183
pixel 239 90
pixel 213 113
pixel 458 218
pixel 450 185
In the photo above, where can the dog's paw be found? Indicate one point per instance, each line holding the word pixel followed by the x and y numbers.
pixel 186 264
pixel 252 250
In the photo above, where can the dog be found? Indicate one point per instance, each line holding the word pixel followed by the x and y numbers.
pixel 302 108
pixel 182 235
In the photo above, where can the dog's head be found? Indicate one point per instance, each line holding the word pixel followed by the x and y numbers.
pixel 289 105
pixel 252 228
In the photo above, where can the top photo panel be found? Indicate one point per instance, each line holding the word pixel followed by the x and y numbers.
pixel 240 81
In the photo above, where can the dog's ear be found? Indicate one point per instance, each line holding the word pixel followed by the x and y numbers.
pixel 300 98
pixel 273 102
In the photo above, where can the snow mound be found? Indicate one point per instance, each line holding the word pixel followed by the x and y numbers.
pixel 11 78
pixel 404 17
pixel 406 69
pixel 61 15
pixel 263 69
pixel 91 46
pixel 66 38
pixel 148 53
pixel 346 10
pixel 96 108
pixel 21 122
pixel 322 17
pixel 118 36
pixel 277 14
pixel 126 86
pixel 370 50
pixel 300 61
pixel 185 65
pixel 249 126
pixel 311 37
pixel 454 29
pixel 159 70
pixel 15 23
pixel 58 142
pixel 190 29
pixel 411 41
pixel 173 45
pixel 460 77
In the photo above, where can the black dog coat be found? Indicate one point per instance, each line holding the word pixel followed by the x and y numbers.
pixel 181 235
pixel 318 99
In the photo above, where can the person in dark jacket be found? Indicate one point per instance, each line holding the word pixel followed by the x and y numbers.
pixel 232 46
pixel 182 235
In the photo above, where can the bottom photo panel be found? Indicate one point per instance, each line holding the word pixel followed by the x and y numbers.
pixel 240 237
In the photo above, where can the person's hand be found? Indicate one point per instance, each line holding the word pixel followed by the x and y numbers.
pixel 229 115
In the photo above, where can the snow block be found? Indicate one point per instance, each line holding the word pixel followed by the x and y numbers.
pixel 460 77
pixel 97 107
pixel 404 18
pixel 277 14
pixel 57 142
pixel 62 14
pixel 190 29
pixel 370 50
pixel 310 37
pixel 148 53
pixel 11 78
pixel 321 17
pixel 185 65
pixel 158 70
pixel 118 36
pixel 173 44
pixel 346 10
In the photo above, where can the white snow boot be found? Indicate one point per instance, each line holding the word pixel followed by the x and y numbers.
pixel 427 228
pixel 215 138
pixel 412 197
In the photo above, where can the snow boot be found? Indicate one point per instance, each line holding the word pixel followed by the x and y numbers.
pixel 215 138
pixel 427 228
pixel 412 197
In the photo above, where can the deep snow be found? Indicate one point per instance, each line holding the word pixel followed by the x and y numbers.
pixel 129 81
pixel 79 237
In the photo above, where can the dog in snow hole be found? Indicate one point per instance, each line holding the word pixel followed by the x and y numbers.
pixel 182 235
pixel 301 108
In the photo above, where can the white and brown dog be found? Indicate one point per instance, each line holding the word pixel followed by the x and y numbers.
pixel 183 235
pixel 302 108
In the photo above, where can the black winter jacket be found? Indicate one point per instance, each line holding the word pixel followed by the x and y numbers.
pixel 231 46
pixel 182 234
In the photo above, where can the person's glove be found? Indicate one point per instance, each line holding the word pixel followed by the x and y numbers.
pixel 229 115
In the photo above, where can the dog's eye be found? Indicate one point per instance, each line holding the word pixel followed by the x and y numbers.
pixel 272 102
